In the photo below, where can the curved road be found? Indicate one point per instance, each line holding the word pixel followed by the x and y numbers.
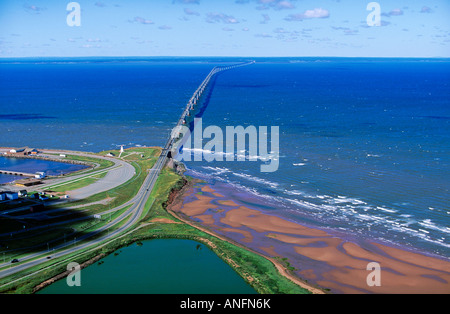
pixel 134 212
pixel 117 175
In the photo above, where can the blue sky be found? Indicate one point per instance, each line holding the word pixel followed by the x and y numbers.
pixel 409 28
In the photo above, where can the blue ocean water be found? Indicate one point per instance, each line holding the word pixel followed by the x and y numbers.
pixel 364 143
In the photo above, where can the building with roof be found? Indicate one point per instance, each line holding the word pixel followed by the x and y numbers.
pixel 17 150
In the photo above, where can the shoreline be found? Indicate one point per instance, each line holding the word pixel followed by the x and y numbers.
pixel 49 159
pixel 62 275
pixel 329 261
pixel 178 199
pixel 46 158
pixel 175 196
pixel 312 255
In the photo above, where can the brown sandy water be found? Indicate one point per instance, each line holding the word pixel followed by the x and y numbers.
pixel 319 257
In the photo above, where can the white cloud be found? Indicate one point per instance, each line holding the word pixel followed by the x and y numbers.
pixel 142 20
pixel 191 12
pixel 33 8
pixel 91 46
pixel 274 4
pixel 221 18
pixel 394 12
pixel 266 19
pixel 187 1
pixel 284 5
pixel 264 35
pixel 309 14
pixel 280 30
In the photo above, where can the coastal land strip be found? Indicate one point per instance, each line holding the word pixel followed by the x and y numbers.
pixel 271 253
pixel 263 274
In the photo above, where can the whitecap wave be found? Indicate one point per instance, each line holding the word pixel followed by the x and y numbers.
pixel 427 223
pixel 217 170
pixel 257 179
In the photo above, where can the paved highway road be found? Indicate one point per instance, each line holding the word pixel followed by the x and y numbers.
pixel 134 213
pixel 117 175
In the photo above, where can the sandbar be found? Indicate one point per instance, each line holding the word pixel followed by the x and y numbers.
pixel 324 259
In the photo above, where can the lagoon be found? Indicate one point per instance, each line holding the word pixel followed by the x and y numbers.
pixel 29 165
pixel 162 266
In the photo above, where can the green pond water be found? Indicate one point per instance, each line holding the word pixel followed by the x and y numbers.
pixel 162 266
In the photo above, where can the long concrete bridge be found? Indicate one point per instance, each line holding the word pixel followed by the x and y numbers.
pixel 199 92
pixel 193 102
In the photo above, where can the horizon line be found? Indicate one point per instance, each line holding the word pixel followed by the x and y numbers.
pixel 255 57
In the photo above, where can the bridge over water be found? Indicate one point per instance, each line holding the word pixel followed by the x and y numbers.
pixel 170 149
pixel 17 173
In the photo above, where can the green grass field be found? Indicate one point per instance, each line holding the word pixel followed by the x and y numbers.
pixel 77 184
